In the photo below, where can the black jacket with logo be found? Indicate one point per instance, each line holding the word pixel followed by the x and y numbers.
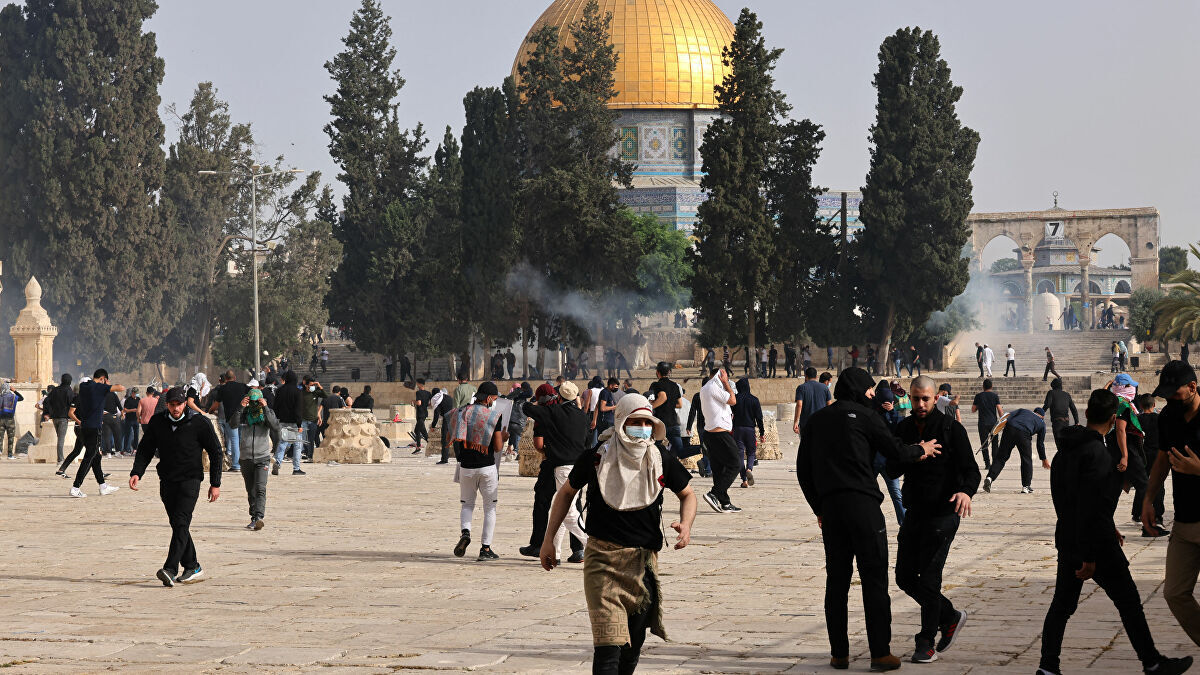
pixel 929 483
pixel 179 446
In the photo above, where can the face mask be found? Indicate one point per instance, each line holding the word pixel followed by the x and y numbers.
pixel 312 388
pixel 639 433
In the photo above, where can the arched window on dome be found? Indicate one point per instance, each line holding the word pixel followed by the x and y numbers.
pixel 1123 286
pixel 1045 286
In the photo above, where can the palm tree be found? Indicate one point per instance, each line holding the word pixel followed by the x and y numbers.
pixel 1178 314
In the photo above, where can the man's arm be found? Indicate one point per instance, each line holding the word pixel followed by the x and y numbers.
pixel 687 516
pixel 1090 508
pixel 1041 442
pixel 1154 486
pixel 885 443
pixel 966 468
pixel 999 411
pixel 145 451
pixel 804 475
pixel 796 417
pixel 71 414
pixel 758 417
pixel 558 513
pixel 210 444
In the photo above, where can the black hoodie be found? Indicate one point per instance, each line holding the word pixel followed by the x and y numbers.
pixel 748 411
pixel 837 450
pixel 287 404
pixel 1085 487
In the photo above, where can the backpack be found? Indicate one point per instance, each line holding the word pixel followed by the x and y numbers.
pixel 8 403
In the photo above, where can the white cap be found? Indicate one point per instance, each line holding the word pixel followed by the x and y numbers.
pixel 252 383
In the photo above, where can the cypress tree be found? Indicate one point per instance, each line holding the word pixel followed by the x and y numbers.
pixel 83 140
pixel 918 190
pixel 733 283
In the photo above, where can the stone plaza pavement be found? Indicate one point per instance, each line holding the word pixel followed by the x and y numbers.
pixel 354 573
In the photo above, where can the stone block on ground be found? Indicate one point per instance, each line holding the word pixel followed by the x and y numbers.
pixel 406 412
pixel 352 438
pixel 768 448
pixel 529 458
pixel 45 451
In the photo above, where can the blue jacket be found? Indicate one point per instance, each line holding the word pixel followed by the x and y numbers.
pixel 1029 423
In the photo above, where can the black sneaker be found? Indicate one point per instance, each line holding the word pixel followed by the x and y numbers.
pixel 192 574
pixel 1162 531
pixel 529 551
pixel 925 653
pixel 950 632
pixel 711 500
pixel 460 549
pixel 1170 666
pixel 486 553
pixel 298 472
pixel 417 451
pixel 576 557
pixel 442 462
pixel 166 578
pixel 730 508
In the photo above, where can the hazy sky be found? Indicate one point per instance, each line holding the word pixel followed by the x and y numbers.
pixel 1094 99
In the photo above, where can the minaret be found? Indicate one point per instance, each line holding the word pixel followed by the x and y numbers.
pixel 33 339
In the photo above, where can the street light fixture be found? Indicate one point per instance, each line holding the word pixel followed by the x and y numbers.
pixel 255 174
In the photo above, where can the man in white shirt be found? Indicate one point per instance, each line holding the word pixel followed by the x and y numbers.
pixel 1010 355
pixel 989 357
pixel 716 398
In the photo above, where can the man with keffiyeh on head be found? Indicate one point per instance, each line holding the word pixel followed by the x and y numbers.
pixel 477 436
pixel 625 477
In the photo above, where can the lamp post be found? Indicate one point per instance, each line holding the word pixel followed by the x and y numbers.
pixel 255 174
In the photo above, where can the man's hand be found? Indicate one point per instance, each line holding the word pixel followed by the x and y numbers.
pixel 1085 571
pixel 213 493
pixel 1123 464
pixel 1045 464
pixel 245 401
pixel 593 425
pixel 685 535
pixel 723 376
pixel 133 483
pixel 796 427
pixel 1149 517
pixel 962 503
pixel 548 556
pixel 931 447
pixel 820 523
pixel 888 405
pixel 1185 462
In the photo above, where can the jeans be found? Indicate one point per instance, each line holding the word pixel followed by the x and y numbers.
pixel 922 547
pixel 747 445
pixel 1112 574
pixel 987 439
pixel 898 367
pixel 1183 565
pixel 111 434
pixel 310 435
pixel 1022 442
pixel 853 531
pixel 297 451
pixel 1010 364
pixel 131 433
pixel 893 487
pixel 60 429
pixel 674 441
pixel 179 499
pixel 255 475
pixel 233 445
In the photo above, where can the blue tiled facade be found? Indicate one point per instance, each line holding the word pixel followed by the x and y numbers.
pixel 664 145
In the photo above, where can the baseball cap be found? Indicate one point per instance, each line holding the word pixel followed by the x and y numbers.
pixel 176 395
pixel 487 389
pixel 568 391
pixel 1174 375
pixel 1125 380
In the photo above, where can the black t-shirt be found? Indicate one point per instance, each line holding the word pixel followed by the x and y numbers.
pixel 1176 432
pixel 112 405
pixel 606 418
pixel 230 395
pixel 985 402
pixel 666 412
pixel 131 402
pixel 424 396
pixel 641 528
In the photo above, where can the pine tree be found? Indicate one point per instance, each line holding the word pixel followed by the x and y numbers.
pixel 737 237
pixel 83 142
pixel 382 170
pixel 918 190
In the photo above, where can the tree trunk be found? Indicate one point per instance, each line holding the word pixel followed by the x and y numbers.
pixel 202 341
pixel 889 324
pixel 541 352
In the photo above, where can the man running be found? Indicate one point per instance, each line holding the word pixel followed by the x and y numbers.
pixel 835 468
pixel 1049 365
pixel 716 401
pixel 1018 433
pixel 179 439
pixel 937 493
pixel 88 413
pixel 475 430
pixel 1085 488
pixel 1060 407
pixel 987 404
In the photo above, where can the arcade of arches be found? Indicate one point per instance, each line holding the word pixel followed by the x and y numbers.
pixel 1137 227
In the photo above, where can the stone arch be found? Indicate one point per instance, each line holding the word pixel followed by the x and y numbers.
pixel 1138 228
pixel 1093 288
pixel 1122 287
pixel 1046 286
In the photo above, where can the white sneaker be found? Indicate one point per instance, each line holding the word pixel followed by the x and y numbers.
pixel 76 492
pixel 107 489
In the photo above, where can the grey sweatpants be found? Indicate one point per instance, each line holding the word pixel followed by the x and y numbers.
pixel 255 475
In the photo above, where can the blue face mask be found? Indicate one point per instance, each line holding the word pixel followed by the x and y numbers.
pixel 639 433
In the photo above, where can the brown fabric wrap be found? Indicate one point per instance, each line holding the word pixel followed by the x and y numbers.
pixel 613 585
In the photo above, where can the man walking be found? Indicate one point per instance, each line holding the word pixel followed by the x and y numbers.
pixel 937 493
pixel 290 413
pixel 564 429
pixel 1018 433
pixel 1049 365
pixel 58 407
pixel 989 357
pixel 978 359
pixel 716 401
pixel 88 413
pixel 811 396
pixel 987 404
pixel 1085 487
pixel 1010 356
pixel 131 430
pixel 835 468
pixel 421 401
pixel 229 397
pixel 667 399
pixel 464 393
pixel 747 414
pixel 8 411
pixel 1061 408
pixel 179 439
pixel 257 425
pixel 475 430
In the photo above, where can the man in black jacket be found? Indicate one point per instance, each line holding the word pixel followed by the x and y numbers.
pixel 563 429
pixel 1060 408
pixel 179 440
pixel 289 410
pixel 1085 486
pixel 835 467
pixel 937 493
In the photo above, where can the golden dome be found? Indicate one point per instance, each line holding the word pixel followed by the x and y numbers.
pixel 670 49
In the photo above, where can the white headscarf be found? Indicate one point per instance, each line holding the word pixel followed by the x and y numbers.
pixel 201 385
pixel 630 468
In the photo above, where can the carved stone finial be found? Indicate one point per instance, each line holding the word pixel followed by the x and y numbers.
pixel 33 291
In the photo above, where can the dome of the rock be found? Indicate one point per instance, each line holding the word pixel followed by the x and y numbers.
pixel 670 50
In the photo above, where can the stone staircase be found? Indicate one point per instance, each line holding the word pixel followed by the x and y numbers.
pixel 344 357
pixel 1074 351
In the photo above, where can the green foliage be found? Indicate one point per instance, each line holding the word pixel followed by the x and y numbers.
pixel 1171 261
pixel 83 164
pixel 1005 265
pixel 918 190
pixel 1141 311
pixel 1178 314
pixel 662 271
pixel 382 170
pixel 736 233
